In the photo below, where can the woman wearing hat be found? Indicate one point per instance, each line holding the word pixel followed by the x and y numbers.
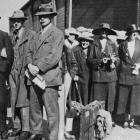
pixel 129 76
pixel 103 60
pixel 70 65
pixel 80 53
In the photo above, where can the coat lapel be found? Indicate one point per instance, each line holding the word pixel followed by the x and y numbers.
pixel 127 52
pixel 43 37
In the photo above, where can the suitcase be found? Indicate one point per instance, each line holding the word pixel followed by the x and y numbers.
pixel 88 120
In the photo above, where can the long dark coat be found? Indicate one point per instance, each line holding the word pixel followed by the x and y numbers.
pixel 5 67
pixel 127 79
pixel 103 80
pixel 83 73
pixel 17 76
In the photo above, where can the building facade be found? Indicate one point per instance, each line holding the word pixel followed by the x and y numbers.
pixel 89 13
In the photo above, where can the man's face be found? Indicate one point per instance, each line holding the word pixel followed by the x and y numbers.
pixel 44 20
pixel 17 24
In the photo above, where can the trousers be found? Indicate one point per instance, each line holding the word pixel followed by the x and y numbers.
pixel 48 98
pixel 21 118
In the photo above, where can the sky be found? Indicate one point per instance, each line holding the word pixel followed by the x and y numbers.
pixel 7 7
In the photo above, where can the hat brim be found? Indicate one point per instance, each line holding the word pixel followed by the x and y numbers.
pixel 85 38
pixel 99 30
pixel 45 13
pixel 18 18
pixel 127 33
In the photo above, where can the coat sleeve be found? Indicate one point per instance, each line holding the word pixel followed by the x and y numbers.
pixel 30 48
pixel 72 63
pixel 9 50
pixel 51 60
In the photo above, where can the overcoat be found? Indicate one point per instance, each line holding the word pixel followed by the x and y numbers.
pixel 5 42
pixel 17 76
pixel 125 73
pixel 46 53
pixel 82 73
pixel 5 67
pixel 94 60
pixel 127 80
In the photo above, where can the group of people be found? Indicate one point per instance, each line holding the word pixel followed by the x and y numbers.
pixel 27 59
pixel 105 69
pixel 86 61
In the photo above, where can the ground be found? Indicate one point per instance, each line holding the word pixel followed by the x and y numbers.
pixel 119 133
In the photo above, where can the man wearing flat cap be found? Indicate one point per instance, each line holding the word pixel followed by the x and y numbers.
pixel 22 39
pixel 103 60
pixel 6 60
pixel 44 59
pixel 129 77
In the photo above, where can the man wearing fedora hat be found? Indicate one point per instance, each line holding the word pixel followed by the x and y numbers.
pixel 129 76
pixel 22 39
pixel 45 59
pixel 6 60
pixel 103 60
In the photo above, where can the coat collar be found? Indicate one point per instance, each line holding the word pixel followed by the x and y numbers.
pixel 24 36
pixel 107 47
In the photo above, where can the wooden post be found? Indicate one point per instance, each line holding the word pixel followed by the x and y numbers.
pixel 70 13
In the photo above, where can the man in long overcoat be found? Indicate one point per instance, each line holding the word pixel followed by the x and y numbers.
pixel 22 39
pixel 45 60
pixel 6 60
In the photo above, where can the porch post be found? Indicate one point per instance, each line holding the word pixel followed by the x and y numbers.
pixel 70 13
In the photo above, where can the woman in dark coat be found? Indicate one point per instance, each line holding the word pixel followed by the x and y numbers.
pixel 129 77
pixel 82 76
pixel 103 60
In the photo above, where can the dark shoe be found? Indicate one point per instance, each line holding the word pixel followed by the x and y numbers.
pixel 35 137
pixel 24 135
pixel 4 135
pixel 14 133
